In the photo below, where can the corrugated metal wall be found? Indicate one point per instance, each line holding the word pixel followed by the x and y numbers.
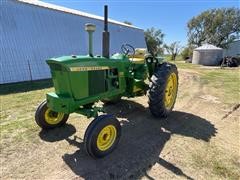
pixel 207 57
pixel 30 34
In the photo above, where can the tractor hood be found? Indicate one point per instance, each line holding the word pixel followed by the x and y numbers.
pixel 66 63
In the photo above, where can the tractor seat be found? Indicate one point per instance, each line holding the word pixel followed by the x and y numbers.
pixel 139 56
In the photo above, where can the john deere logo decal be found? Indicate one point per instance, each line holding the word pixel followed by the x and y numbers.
pixel 91 68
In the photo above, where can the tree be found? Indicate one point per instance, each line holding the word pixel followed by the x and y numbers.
pixel 173 49
pixel 187 52
pixel 127 22
pixel 215 26
pixel 154 40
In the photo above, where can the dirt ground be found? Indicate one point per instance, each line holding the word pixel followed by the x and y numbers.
pixel 199 140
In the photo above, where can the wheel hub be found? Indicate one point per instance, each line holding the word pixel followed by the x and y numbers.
pixel 170 91
pixel 53 117
pixel 106 137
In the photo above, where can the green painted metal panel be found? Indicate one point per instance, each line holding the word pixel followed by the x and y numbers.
pixel 61 104
pixel 79 84
pixel 61 83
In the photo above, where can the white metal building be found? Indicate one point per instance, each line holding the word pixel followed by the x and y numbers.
pixel 32 31
pixel 233 49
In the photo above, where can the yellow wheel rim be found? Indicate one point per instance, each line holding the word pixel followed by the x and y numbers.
pixel 52 117
pixel 106 137
pixel 170 91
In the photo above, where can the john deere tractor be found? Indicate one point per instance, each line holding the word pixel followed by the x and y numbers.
pixel 80 81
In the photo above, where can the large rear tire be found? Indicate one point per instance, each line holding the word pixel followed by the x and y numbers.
pixel 162 91
pixel 48 119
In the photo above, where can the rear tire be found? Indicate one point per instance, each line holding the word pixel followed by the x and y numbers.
pixel 162 91
pixel 102 136
pixel 48 119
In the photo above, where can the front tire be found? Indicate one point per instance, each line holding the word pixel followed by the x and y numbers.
pixel 48 119
pixel 162 91
pixel 102 136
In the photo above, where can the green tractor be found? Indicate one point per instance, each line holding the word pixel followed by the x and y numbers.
pixel 80 81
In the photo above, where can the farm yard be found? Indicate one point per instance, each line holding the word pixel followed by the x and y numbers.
pixel 199 140
pixel 93 53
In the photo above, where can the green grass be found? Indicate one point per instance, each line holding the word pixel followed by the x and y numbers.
pixel 222 83
pixel 225 80
pixel 214 159
pixel 183 65
pixel 18 104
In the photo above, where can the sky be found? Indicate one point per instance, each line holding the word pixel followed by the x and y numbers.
pixel 171 16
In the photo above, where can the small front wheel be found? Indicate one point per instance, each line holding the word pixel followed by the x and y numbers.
pixel 47 118
pixel 102 136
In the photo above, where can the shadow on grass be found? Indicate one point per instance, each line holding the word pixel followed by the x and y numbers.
pixel 25 86
pixel 143 139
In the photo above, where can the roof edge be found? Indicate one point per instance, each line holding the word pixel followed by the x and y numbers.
pixel 73 11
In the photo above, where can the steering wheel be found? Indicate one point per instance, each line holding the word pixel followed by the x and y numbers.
pixel 127 49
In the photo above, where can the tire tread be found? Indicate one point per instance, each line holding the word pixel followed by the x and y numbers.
pixel 157 86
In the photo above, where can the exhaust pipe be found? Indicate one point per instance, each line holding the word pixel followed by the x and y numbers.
pixel 106 35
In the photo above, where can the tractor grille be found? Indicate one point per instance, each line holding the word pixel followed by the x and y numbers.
pixel 96 82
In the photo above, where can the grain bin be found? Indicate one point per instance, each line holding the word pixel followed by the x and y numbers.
pixel 208 55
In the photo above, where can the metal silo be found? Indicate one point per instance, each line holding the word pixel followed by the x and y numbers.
pixel 208 55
